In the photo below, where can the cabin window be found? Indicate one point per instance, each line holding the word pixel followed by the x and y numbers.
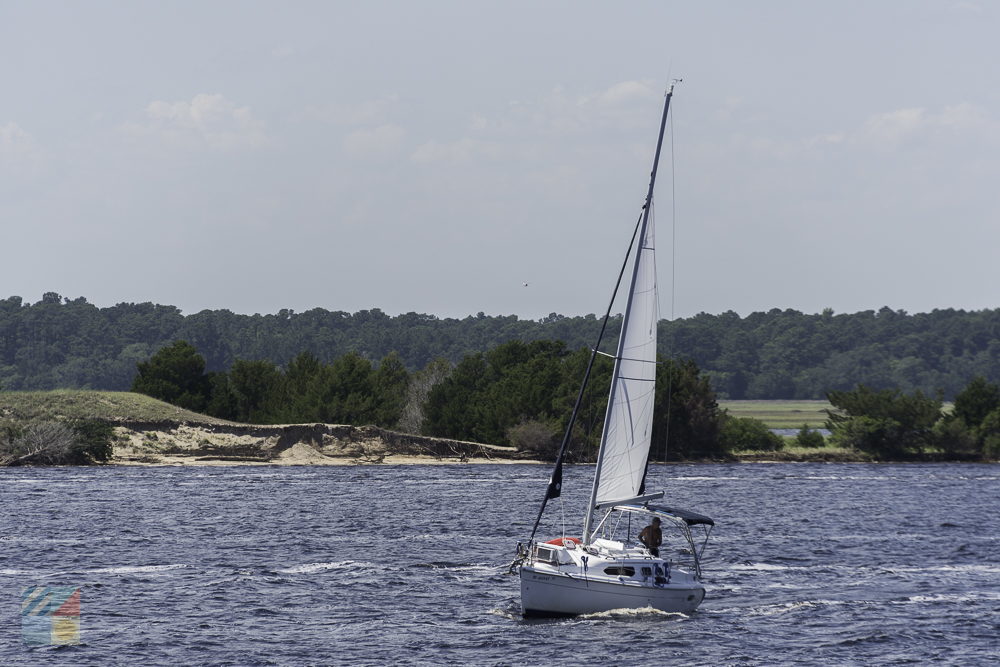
pixel 620 571
pixel 647 571
pixel 546 555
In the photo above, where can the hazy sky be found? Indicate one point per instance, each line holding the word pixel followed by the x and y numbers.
pixel 435 156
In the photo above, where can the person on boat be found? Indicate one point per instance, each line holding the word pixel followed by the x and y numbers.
pixel 652 537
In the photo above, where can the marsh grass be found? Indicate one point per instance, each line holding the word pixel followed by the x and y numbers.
pixel 781 414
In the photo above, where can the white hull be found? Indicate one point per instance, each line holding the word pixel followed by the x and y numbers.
pixel 544 592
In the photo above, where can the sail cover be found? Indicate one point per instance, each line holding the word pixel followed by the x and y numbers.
pixel 629 421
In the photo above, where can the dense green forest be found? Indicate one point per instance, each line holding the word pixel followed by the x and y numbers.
pixel 781 354
pixel 516 393
pixel 522 394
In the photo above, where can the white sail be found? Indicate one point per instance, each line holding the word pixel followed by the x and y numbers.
pixel 629 421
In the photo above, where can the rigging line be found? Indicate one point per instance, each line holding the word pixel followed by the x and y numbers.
pixel 633 359
pixel 562 513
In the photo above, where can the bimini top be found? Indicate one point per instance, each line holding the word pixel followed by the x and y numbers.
pixel 687 516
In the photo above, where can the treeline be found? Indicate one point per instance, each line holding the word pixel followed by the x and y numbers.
pixel 61 343
pixel 890 424
pixel 786 354
pixel 780 354
pixel 350 390
pixel 517 393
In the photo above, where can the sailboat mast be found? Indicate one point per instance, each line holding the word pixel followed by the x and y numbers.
pixel 647 207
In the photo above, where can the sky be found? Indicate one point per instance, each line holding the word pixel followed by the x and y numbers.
pixel 436 156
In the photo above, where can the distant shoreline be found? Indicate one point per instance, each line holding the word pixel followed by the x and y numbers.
pixel 148 432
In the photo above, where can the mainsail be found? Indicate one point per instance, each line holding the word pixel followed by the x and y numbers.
pixel 628 423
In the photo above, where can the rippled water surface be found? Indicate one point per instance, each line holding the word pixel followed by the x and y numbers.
pixel 809 564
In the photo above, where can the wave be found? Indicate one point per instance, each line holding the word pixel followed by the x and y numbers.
pixel 632 613
pixel 310 568
pixel 125 569
pixel 961 569
pixel 134 569
pixel 948 597
pixel 766 567
pixel 799 605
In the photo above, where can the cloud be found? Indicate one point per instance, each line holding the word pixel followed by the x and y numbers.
pixel 380 140
pixel 19 154
pixel 893 127
pixel 969 8
pixel 208 119
pixel 14 141
pixel 462 150
pixel 367 112
pixel 521 128
pixel 626 92
pixel 887 131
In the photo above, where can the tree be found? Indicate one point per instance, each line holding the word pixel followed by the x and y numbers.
pixel 94 441
pixel 884 423
pixel 303 384
pixel 391 383
pixel 973 427
pixel 686 417
pixel 349 397
pixel 989 436
pixel 254 386
pixel 453 405
pixel 419 388
pixel 977 400
pixel 175 374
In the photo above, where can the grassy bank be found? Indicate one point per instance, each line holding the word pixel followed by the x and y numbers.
pixel 781 414
pixel 114 406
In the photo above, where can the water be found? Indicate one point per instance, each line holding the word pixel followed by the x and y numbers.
pixel 846 564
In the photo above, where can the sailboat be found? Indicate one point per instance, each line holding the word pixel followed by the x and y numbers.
pixel 607 567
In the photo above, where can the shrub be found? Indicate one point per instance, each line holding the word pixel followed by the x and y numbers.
pixel 55 443
pixel 94 441
pixel 537 437
pixel 742 433
pixel 809 438
pixel 46 442
pixel 879 437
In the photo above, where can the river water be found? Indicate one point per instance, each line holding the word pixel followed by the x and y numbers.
pixel 847 564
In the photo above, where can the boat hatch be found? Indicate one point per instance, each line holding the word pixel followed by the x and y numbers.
pixel 610 545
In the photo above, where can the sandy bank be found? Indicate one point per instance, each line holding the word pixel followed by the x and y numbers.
pixel 182 443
